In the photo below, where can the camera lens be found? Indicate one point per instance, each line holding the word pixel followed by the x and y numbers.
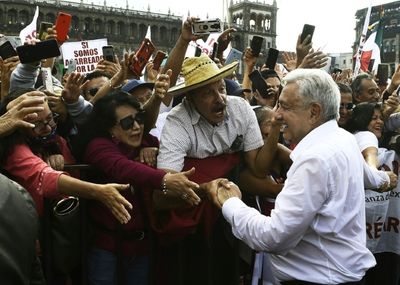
pixel 204 27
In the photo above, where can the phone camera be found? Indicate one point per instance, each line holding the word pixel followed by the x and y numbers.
pixel 203 27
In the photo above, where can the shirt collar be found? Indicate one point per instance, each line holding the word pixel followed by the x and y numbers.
pixel 314 137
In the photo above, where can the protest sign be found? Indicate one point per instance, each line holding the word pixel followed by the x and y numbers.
pixel 86 54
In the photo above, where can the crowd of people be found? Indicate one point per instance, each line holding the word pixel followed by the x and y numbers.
pixel 195 177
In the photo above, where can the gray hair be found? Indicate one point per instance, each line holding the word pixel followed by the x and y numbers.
pixel 317 86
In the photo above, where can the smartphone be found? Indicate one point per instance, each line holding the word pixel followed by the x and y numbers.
pixel 108 53
pixel 272 58
pixel 43 30
pixel 7 50
pixel 198 51
pixel 382 74
pixel 158 59
pixel 214 51
pixel 233 55
pixel 203 27
pixel 47 79
pixel 143 55
pixel 307 30
pixel 39 51
pixel 256 45
pixel 258 83
pixel 63 23
pixel 337 70
pixel 71 67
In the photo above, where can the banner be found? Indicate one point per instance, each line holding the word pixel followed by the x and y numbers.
pixel 363 37
pixel 383 211
pixel 29 32
pixel 86 54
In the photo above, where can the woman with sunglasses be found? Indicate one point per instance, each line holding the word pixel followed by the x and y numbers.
pixel 116 141
pixel 35 158
pixel 366 123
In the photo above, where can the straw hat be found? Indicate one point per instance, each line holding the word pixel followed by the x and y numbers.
pixel 200 71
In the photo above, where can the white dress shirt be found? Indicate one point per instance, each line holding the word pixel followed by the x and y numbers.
pixel 317 231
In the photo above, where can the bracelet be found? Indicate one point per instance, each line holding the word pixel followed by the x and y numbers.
pixel 113 87
pixel 164 184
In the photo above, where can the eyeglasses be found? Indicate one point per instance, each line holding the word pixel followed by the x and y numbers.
pixel 51 121
pixel 127 122
pixel 348 106
pixel 92 91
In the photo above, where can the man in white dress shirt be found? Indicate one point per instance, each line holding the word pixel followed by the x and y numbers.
pixel 316 234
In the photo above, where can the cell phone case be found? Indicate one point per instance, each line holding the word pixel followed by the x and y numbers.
pixel 7 50
pixel 272 58
pixel 256 44
pixel 39 51
pixel 63 23
pixel 307 30
pixel 258 83
pixel 160 55
pixel 143 55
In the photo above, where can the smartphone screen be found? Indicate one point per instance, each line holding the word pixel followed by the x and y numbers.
pixel 7 50
pixel 108 53
pixel 63 23
pixel 43 30
pixel 307 30
pixel 258 83
pixel 256 45
pixel 272 58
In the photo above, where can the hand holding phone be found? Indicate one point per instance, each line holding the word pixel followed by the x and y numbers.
pixel 143 55
pixel 63 23
pixel 272 58
pixel 382 74
pixel 256 45
pixel 307 30
pixel 214 51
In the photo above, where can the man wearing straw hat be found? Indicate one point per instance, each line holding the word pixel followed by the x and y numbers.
pixel 207 131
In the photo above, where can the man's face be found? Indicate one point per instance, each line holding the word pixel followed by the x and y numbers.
pixel 346 107
pixel 92 86
pixel 142 94
pixel 210 101
pixel 296 117
pixel 369 91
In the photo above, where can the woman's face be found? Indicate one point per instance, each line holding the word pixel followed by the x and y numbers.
pixel 129 126
pixel 45 123
pixel 376 123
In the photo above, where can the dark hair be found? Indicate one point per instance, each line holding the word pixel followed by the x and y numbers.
pixel 361 116
pixel 356 83
pixel 268 73
pixel 96 74
pixel 344 88
pixel 103 117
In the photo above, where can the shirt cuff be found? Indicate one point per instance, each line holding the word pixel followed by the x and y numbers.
pixel 230 207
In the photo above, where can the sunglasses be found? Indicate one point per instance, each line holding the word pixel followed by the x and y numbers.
pixel 128 122
pixel 348 106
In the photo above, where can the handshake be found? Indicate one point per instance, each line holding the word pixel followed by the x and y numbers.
pixel 220 190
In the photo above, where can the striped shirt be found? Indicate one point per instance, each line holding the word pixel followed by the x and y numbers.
pixel 187 134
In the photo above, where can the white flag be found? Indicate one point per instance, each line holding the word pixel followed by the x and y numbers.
pixel 363 38
pixel 29 32
pixel 148 34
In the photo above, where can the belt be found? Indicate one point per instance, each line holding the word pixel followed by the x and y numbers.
pixel 124 234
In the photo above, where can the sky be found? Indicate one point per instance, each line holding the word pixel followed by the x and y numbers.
pixel 334 19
